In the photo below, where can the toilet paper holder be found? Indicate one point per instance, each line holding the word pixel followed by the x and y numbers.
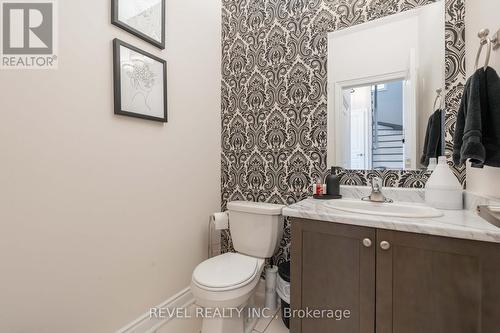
pixel 217 221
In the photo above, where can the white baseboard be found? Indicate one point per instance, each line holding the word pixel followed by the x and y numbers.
pixel 146 324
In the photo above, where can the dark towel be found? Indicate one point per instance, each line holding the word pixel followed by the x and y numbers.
pixel 433 137
pixel 477 131
pixel 491 120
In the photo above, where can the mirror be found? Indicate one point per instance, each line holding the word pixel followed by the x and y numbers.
pixel 386 83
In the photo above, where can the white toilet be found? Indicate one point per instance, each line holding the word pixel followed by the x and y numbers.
pixel 228 281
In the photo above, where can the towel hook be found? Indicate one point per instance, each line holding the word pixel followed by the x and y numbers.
pixel 491 43
pixel 439 97
pixel 484 40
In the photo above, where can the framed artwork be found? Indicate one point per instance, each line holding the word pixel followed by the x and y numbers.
pixel 142 18
pixel 140 83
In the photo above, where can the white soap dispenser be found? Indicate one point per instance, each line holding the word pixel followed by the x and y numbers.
pixel 443 190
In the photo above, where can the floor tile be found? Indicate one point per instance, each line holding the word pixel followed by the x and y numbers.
pixel 264 322
pixel 276 326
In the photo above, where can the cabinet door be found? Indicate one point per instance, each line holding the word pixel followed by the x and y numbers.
pixel 332 270
pixel 436 285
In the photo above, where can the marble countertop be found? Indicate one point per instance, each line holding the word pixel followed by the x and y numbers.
pixel 463 224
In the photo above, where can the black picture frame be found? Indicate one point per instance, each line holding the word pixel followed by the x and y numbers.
pixel 116 21
pixel 117 43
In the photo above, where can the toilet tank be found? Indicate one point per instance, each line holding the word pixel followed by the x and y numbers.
pixel 256 227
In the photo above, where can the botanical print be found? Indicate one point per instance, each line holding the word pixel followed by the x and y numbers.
pixel 274 96
pixel 142 15
pixel 141 83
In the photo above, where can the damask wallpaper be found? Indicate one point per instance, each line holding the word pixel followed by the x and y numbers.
pixel 274 95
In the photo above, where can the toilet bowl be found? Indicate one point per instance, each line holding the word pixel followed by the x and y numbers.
pixel 227 282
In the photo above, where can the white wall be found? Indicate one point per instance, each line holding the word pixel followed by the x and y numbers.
pixel 482 14
pixel 372 49
pixel 103 216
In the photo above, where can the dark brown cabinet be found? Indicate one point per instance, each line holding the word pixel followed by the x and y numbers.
pixel 392 282
pixel 331 269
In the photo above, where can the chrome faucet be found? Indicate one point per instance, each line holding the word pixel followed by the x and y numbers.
pixel 377 195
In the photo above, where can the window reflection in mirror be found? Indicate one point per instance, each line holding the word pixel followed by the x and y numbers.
pixel 375 120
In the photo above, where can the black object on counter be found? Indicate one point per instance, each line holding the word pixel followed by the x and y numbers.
pixel 332 184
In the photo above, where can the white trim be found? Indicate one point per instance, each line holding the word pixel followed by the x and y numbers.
pixel 145 324
pixel 410 114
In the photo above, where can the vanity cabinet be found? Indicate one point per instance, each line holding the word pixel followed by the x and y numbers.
pixel 393 282
pixel 330 270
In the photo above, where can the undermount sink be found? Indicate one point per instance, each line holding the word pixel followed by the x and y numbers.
pixel 384 209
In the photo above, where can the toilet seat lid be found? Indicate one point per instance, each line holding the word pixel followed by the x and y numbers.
pixel 226 271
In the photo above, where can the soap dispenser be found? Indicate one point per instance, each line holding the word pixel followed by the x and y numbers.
pixel 333 184
pixel 443 190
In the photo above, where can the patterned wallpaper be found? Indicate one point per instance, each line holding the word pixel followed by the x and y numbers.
pixel 274 95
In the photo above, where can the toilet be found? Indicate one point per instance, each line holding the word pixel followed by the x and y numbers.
pixel 228 281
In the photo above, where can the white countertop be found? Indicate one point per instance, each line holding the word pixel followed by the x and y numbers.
pixel 464 224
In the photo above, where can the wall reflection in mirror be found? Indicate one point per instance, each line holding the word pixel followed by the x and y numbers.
pixel 386 91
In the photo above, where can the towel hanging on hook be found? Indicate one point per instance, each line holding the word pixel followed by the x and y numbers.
pixel 477 129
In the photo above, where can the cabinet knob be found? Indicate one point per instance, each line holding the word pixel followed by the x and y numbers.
pixel 367 242
pixel 385 245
